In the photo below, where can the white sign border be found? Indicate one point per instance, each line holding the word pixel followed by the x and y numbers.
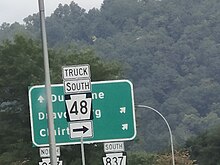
pixel 86 142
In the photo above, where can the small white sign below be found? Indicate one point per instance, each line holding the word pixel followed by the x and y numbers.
pixel 81 129
pixel 114 147
pixel 46 161
pixel 76 72
pixel 114 158
pixel 77 86
pixel 45 152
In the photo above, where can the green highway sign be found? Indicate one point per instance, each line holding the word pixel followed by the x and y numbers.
pixel 112 109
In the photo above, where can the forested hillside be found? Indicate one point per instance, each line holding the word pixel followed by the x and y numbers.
pixel 169 49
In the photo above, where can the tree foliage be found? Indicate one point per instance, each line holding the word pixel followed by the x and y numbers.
pixel 206 147
pixel 168 48
pixel 143 158
pixel 21 66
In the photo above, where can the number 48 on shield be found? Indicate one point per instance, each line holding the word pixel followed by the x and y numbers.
pixel 79 106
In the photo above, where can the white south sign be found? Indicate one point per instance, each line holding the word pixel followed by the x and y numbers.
pixel 114 147
pixel 77 86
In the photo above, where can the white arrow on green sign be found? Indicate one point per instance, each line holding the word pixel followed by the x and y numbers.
pixel 113 113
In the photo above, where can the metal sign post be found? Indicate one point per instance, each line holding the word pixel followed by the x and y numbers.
pixel 82 152
pixel 48 86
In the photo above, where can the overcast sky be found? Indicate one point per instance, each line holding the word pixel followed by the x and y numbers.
pixel 16 10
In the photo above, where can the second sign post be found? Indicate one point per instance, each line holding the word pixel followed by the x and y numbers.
pixel 78 102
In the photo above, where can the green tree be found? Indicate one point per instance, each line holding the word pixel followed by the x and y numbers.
pixel 21 65
pixel 169 49
pixel 206 147
pixel 140 158
pixel 181 158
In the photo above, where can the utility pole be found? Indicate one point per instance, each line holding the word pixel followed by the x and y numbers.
pixel 52 143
